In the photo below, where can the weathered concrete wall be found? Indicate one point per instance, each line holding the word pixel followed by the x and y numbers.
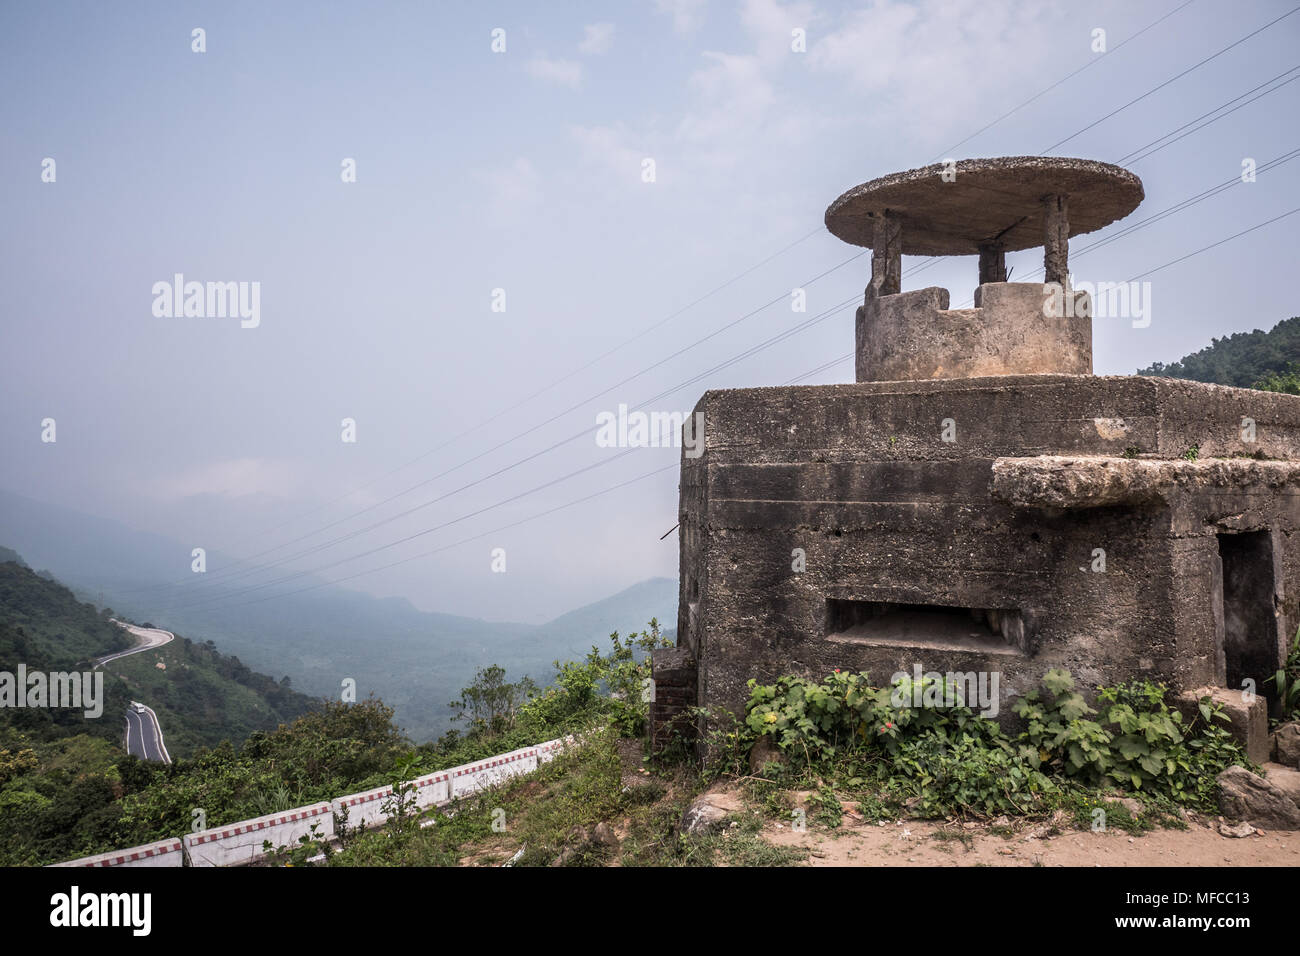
pixel 860 478
pixel 914 335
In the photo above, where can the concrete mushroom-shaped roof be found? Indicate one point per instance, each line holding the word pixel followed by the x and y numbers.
pixel 989 200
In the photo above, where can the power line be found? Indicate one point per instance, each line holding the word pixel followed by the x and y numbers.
pixel 555 481
pixel 230 574
pixel 418 534
pixel 1213 245
pixel 1167 212
pixel 656 471
pixel 1142 152
pixel 1154 89
pixel 456 544
pixel 1185 204
pixel 1092 62
pixel 519 404
pixel 843 358
pixel 644 332
pixel 584 433
pixel 934 259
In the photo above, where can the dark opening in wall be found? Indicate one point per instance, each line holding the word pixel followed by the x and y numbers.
pixel 1250 641
pixel 987 630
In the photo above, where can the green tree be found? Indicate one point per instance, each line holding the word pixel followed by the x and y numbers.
pixel 491 702
pixel 1286 381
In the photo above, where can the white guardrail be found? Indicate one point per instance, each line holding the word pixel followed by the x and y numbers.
pixel 240 843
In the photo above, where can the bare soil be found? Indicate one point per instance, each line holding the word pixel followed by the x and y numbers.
pixel 925 843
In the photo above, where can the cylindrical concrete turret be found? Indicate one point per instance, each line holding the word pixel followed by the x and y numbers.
pixel 984 207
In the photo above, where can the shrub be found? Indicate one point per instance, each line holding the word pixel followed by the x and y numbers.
pixel 1138 741
pixel 949 758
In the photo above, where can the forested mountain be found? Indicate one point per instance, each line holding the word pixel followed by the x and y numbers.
pixel 63 774
pixel 416 660
pixel 1243 359
pixel 201 696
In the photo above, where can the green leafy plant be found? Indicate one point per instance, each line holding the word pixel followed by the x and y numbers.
pixel 309 846
pixel 399 806
pixel 1286 381
pixel 941 759
pixel 1287 682
pixel 1138 742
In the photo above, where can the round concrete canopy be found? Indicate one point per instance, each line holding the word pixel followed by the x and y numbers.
pixel 988 200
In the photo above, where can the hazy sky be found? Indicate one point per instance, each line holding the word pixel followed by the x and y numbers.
pixel 522 170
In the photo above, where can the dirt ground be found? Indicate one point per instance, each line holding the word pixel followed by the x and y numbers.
pixel 914 843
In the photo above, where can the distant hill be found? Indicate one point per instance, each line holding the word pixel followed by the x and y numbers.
pixel 415 660
pixel 55 624
pixel 201 697
pixel 1241 359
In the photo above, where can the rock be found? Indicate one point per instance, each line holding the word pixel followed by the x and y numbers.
pixel 1245 796
pixel 1247 716
pixel 1285 779
pixel 708 812
pixel 604 835
pixel 1240 830
pixel 763 752
pixel 1286 744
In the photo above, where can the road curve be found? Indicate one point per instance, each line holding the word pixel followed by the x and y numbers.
pixel 144 738
pixel 150 637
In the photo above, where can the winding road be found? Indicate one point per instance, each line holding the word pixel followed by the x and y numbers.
pixel 144 737
pixel 150 637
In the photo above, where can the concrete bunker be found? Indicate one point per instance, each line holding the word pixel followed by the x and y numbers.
pixel 995 507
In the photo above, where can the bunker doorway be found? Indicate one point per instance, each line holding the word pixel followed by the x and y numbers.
pixel 1250 648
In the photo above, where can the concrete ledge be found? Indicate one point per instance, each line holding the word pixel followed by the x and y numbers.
pixel 1056 481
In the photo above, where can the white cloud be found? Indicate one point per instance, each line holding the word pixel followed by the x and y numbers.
pixel 608 147
pixel 907 71
pixel 686 14
pixel 932 63
pixel 597 38
pixel 562 72
pixel 513 187
pixel 734 95
pixel 770 24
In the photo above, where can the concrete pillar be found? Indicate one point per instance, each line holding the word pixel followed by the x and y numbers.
pixel 1056 240
pixel 887 255
pixel 993 263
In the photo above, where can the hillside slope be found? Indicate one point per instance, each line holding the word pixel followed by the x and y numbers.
pixel 1240 359
pixel 201 697
pixel 63 774
pixel 417 661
